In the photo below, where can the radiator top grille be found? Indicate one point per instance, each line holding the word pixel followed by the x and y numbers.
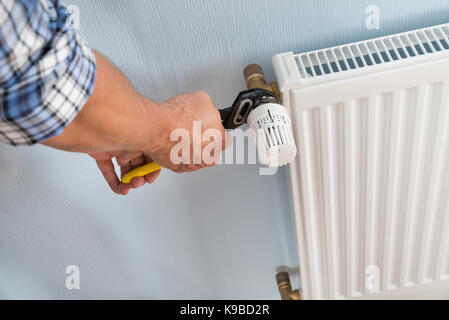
pixel 371 53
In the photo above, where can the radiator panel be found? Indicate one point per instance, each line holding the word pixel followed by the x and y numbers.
pixel 370 184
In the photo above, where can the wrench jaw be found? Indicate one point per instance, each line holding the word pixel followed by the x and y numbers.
pixel 269 124
pixel 246 101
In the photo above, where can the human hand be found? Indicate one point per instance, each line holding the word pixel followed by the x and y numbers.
pixel 180 113
pixel 116 117
pixel 127 161
pixel 176 113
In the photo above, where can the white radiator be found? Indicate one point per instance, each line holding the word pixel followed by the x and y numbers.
pixel 370 184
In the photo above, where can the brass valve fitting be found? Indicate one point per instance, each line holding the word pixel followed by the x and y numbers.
pixel 285 288
pixel 255 78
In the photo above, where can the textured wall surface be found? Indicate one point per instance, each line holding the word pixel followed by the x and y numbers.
pixel 217 233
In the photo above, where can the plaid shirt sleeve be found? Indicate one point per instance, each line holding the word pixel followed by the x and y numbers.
pixel 47 72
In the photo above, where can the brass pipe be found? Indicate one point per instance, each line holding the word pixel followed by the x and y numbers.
pixel 255 78
pixel 285 288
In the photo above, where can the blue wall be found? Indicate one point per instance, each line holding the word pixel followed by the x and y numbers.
pixel 218 233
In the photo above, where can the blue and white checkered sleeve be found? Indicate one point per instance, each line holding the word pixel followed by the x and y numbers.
pixel 47 72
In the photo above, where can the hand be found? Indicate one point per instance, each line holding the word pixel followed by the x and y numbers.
pixel 180 112
pixel 176 113
pixel 117 118
pixel 127 161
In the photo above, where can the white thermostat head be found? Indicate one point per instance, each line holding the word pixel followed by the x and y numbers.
pixel 271 127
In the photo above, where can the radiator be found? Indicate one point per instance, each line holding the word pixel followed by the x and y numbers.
pixel 370 184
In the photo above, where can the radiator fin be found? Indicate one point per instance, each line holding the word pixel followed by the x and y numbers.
pixel 356 158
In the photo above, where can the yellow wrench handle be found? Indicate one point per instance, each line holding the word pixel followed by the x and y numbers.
pixel 141 171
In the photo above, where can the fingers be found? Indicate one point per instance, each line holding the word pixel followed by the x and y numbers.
pixel 129 161
pixel 137 182
pixel 150 178
pixel 124 188
pixel 107 170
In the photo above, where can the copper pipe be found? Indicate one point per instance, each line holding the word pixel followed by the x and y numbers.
pixel 285 288
pixel 255 78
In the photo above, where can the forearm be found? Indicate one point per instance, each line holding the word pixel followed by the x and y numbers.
pixel 116 120
pixel 115 117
